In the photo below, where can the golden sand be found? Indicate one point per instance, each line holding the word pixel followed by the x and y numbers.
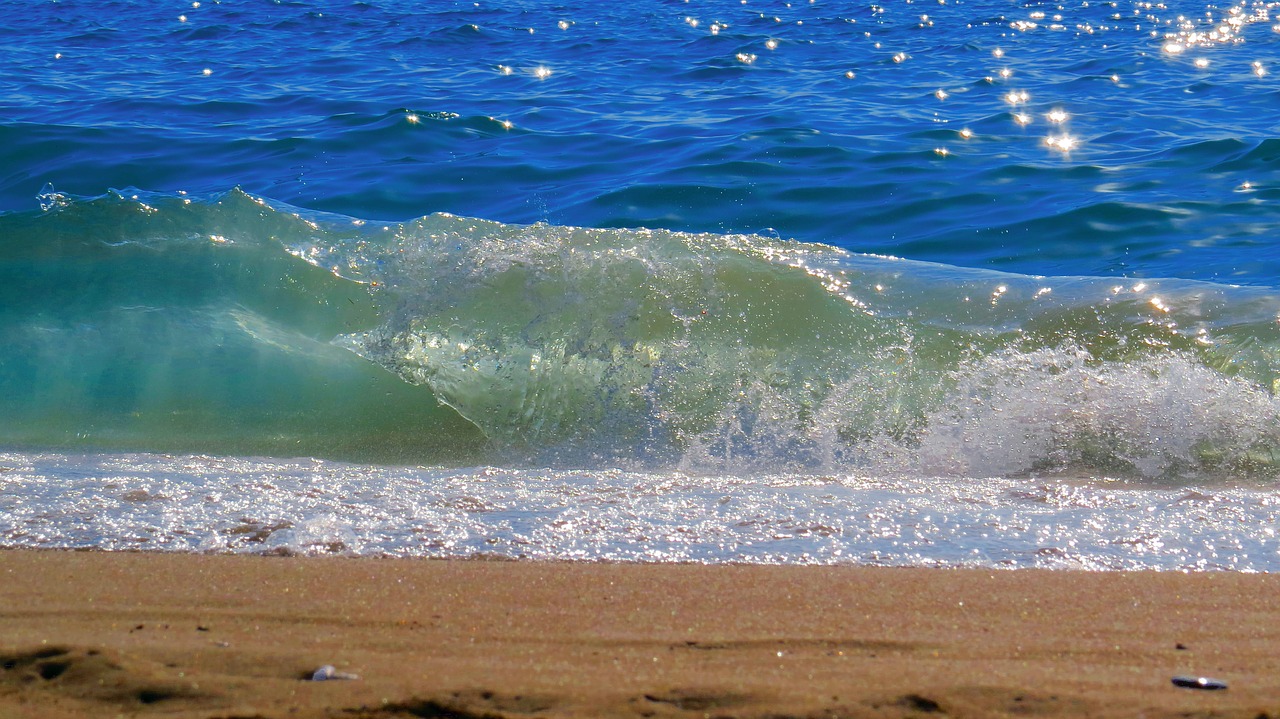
pixel 98 634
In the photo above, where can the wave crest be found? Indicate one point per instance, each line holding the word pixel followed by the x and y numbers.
pixel 248 320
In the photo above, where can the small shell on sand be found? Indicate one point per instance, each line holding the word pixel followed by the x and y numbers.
pixel 1199 683
pixel 327 672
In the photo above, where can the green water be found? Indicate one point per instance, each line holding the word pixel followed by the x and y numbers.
pixel 231 324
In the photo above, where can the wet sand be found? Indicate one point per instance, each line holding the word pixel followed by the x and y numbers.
pixel 93 634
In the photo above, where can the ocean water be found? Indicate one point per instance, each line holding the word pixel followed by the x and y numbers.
pixel 956 282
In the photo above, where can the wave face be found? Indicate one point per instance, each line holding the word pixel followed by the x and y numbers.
pixel 163 323
pixel 238 325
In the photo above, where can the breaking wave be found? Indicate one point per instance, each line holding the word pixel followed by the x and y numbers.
pixel 235 324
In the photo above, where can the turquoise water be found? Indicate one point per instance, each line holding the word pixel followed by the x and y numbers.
pixel 940 283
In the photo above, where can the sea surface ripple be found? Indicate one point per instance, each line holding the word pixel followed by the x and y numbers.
pixel 1125 138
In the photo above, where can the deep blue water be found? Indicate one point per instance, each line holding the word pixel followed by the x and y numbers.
pixel 704 116
pixel 930 282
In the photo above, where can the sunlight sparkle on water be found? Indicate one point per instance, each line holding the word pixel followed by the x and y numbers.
pixel 542 72
pixel 1208 31
pixel 1062 143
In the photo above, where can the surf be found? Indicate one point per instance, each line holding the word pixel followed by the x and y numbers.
pixel 239 325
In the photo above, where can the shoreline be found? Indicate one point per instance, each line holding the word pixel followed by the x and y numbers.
pixel 92 633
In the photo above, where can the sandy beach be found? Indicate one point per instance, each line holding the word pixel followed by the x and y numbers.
pixel 93 634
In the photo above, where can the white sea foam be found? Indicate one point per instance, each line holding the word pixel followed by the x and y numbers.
pixel 219 504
